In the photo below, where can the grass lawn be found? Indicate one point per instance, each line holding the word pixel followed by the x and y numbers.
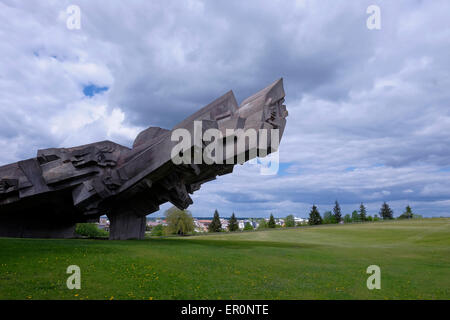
pixel 324 262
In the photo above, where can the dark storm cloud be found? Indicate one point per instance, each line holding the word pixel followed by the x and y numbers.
pixel 243 46
pixel 369 113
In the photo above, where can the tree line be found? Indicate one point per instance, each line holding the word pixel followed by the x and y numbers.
pixel 181 222
pixel 385 213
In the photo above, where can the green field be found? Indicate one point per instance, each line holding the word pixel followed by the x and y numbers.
pixel 324 262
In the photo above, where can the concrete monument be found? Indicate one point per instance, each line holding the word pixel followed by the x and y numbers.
pixel 44 197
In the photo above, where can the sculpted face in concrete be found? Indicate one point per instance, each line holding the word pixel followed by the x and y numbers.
pixel 46 196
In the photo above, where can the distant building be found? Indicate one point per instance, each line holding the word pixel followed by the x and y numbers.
pixel 201 225
pixel 153 223
pixel 224 223
pixel 103 223
pixel 160 221
pixel 300 220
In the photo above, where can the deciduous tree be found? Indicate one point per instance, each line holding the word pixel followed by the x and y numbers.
pixel 179 221
pixel 289 221
pixel 355 216
pixel 262 224
pixel 347 218
pixel 248 226
pixel 328 217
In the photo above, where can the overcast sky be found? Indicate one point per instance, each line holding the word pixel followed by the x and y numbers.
pixel 369 110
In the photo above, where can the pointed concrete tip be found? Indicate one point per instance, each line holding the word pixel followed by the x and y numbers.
pixel 275 90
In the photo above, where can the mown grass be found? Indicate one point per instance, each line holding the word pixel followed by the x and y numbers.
pixel 325 262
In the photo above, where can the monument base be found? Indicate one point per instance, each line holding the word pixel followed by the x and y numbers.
pixel 126 225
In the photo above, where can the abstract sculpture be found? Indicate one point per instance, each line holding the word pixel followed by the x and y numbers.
pixel 44 197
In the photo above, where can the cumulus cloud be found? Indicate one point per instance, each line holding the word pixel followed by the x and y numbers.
pixel 369 114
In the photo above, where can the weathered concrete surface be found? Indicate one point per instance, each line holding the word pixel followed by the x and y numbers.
pixel 47 195
pixel 126 225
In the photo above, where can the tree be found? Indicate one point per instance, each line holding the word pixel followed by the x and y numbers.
pixel 347 218
pixel 248 226
pixel 215 225
pixel 376 218
pixel 262 224
pixel 179 221
pixel 233 224
pixel 386 212
pixel 300 224
pixel 408 214
pixel 337 212
pixel 314 216
pixel 271 223
pixel 362 212
pixel 355 216
pixel 90 230
pixel 158 230
pixel 369 218
pixel 290 221
pixel 328 217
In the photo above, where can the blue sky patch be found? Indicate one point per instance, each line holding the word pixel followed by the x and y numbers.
pixel 283 166
pixel 91 90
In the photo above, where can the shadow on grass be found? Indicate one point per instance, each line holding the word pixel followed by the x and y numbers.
pixel 234 244
pixel 98 245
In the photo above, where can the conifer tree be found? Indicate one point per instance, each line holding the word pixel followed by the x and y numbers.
pixel 271 221
pixel 362 212
pixel 233 224
pixel 337 212
pixel 386 212
pixel 215 225
pixel 314 216
pixel 407 214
